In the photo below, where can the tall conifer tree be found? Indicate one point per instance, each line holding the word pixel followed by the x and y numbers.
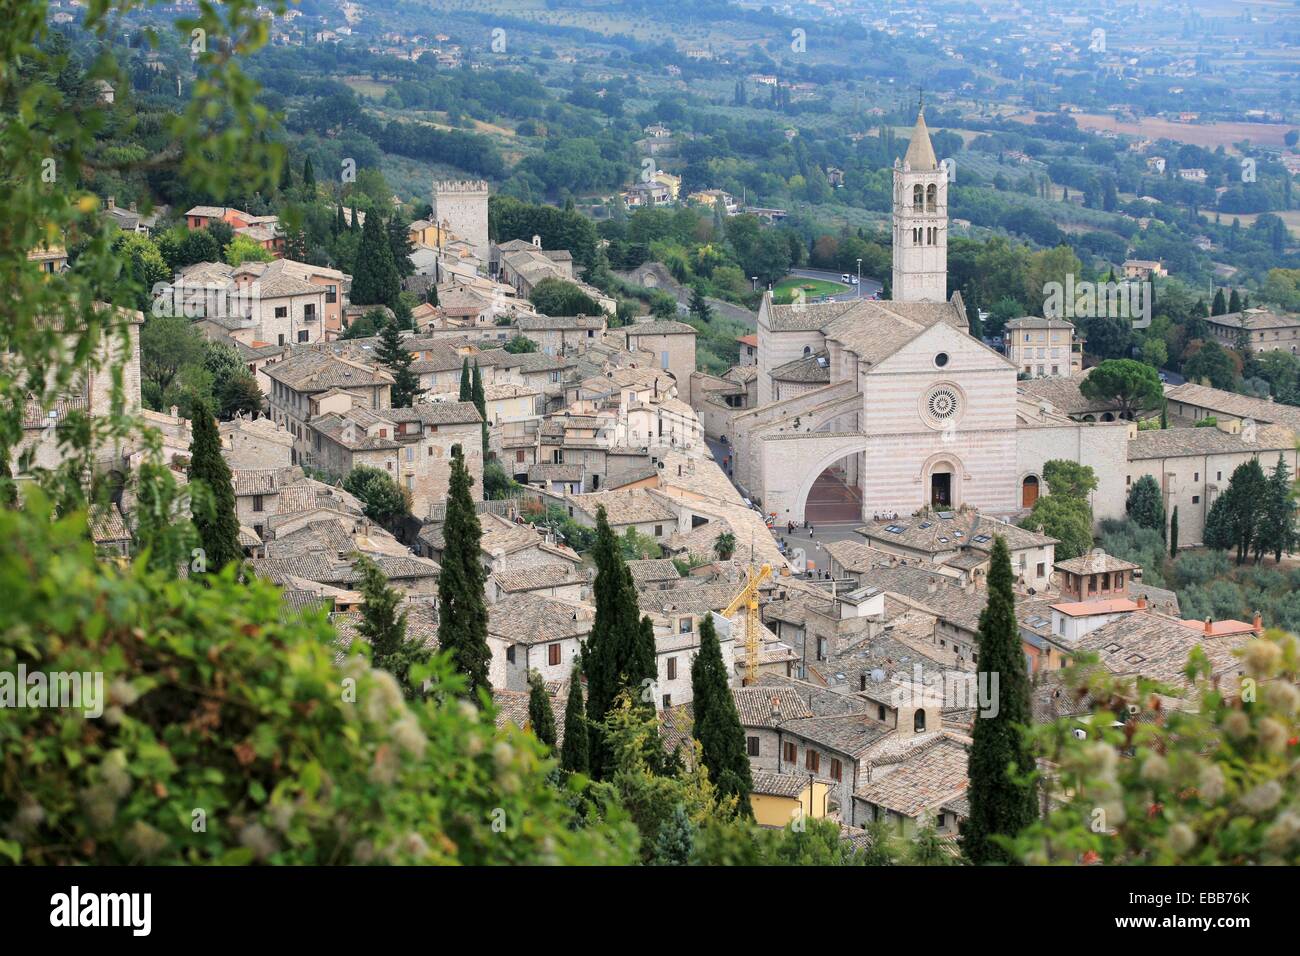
pixel 575 755
pixel 374 277
pixel 462 613
pixel 395 354
pixel 717 723
pixel 1000 803
pixel 615 656
pixel 214 511
pixel 540 716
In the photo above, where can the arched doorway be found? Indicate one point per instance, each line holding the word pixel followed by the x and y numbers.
pixel 941 482
pixel 1029 491
pixel 836 493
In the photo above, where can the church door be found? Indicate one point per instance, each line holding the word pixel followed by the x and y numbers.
pixel 1029 492
pixel 941 489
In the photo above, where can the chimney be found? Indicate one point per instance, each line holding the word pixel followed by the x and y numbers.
pixel 175 411
pixel 1258 625
pixel 1209 627
pixel 112 203
pixel 776 708
pixel 933 586
pixel 1142 602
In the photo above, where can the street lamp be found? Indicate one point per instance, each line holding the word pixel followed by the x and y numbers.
pixel 859 278
pixel 755 280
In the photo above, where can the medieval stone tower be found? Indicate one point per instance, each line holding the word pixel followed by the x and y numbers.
pixel 920 222
pixel 463 206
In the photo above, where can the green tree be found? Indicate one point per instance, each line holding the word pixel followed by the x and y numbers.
pixel 724 545
pixel 383 626
pixel 540 717
pixel 308 176
pixel 214 508
pixel 519 344
pixel 399 242
pixel 1065 519
pixel 1146 505
pixel 168 344
pixel 383 499
pixel 1211 364
pixel 375 279
pixel 1069 479
pixel 1278 526
pixel 717 723
pixel 1002 791
pixel 1173 534
pixel 466 382
pixel 676 840
pixel 554 296
pixel 1219 306
pixel 395 355
pixel 699 306
pixel 243 249
pixel 462 613
pixel 615 659
pixel 575 754
pixel 1133 386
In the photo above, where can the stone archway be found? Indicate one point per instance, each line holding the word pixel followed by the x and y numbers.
pixel 941 482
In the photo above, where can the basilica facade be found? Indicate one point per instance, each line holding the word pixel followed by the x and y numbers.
pixel 894 402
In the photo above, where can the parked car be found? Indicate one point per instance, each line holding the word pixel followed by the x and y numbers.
pixel 845 278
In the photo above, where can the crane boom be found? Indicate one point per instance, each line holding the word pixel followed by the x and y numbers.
pixel 748 599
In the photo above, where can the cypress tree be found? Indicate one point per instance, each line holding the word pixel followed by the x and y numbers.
pixel 1218 307
pixel 466 388
pixel 540 717
pixel 354 223
pixel 399 241
pixel 214 510
pixel 383 626
pixel 462 613
pixel 614 659
pixel 286 177
pixel 717 722
pixel 1000 805
pixel 1173 534
pixel 1278 530
pixel 575 755
pixel 479 397
pixel 1234 301
pixel 374 277
pixel 396 357
pixel 308 175
pixel 340 223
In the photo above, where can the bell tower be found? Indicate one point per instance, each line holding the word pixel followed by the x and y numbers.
pixel 920 222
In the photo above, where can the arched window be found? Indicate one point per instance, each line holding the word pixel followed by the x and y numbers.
pixel 918 197
pixel 807 350
pixel 931 197
pixel 918 722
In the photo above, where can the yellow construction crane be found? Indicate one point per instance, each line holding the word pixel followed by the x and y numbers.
pixel 748 599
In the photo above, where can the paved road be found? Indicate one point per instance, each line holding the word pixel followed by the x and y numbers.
pixel 865 291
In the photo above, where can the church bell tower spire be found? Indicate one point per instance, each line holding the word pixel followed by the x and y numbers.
pixel 920 221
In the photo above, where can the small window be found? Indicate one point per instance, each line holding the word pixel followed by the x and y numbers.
pixel 668 701
pixel 837 770
pixel 659 531
pixel 880 712
pixel 685 626
pixel 257 503
pixel 791 753
pixel 812 760
pixel 672 668
pixel 510 653
pixel 918 722
pixel 751 746
pixel 1196 499
pixel 553 654
pixel 941 359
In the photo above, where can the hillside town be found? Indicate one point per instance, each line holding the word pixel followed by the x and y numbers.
pixel 428 513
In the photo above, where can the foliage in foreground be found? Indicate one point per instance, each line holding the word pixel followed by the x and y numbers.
pixel 229 735
pixel 1153 786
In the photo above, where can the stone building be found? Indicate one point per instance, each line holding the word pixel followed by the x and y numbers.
pixel 462 206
